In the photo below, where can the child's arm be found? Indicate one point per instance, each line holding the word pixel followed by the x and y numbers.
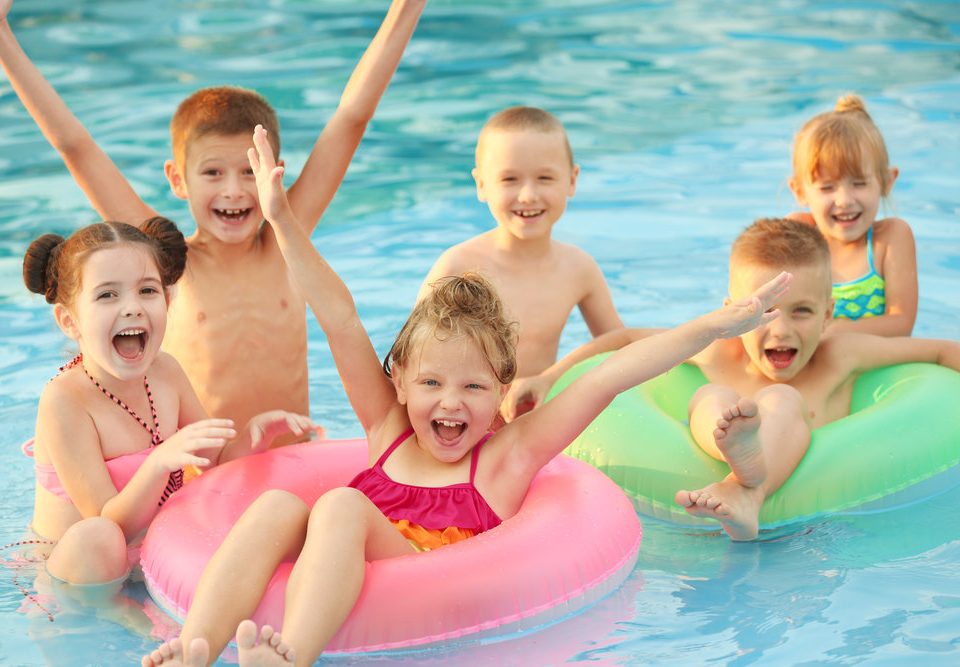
pixel 597 306
pixel 328 161
pixel 866 352
pixel 96 174
pixel 899 270
pixel 369 390
pixel 534 389
pixel 543 433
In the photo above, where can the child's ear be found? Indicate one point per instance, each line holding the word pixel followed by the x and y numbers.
pixel 573 180
pixel 894 173
pixel 479 181
pixel 177 182
pixel 828 316
pixel 396 376
pixel 796 187
pixel 66 321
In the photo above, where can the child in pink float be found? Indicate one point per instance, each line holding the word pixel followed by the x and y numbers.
pixel 118 424
pixel 427 423
pixel 841 172
pixel 236 299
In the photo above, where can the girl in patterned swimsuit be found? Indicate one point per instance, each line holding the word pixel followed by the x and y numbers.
pixel 841 172
pixel 118 424
pixel 438 475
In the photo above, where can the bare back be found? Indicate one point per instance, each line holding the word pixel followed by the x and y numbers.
pixel 237 325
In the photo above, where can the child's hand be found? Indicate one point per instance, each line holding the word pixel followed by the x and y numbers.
pixel 176 452
pixel 748 314
pixel 268 425
pixel 269 175
pixel 524 395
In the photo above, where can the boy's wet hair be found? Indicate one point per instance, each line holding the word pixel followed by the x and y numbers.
pixel 222 110
pixel 842 142
pixel 525 118
pixel 52 265
pixel 466 305
pixel 778 243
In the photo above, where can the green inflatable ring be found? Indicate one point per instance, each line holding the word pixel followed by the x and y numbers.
pixel 903 429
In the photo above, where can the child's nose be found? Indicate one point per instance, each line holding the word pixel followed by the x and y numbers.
pixel 232 185
pixel 450 400
pixel 843 195
pixel 527 192
pixel 132 307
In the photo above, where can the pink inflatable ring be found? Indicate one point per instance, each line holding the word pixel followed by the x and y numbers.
pixel 574 540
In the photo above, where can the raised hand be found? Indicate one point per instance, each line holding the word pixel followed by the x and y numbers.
pixel 268 425
pixel 747 314
pixel 269 175
pixel 177 451
pixel 528 392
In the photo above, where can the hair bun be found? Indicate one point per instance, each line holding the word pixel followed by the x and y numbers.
pixel 171 245
pixel 850 103
pixel 40 266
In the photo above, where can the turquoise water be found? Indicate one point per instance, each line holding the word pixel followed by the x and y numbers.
pixel 680 115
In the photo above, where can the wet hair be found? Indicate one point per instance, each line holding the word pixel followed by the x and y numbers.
pixel 778 243
pixel 222 110
pixel 524 118
pixel 842 142
pixel 466 305
pixel 52 265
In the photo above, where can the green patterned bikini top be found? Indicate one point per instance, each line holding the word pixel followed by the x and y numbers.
pixel 863 297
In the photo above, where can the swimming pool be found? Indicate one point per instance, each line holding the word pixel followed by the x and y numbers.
pixel 681 116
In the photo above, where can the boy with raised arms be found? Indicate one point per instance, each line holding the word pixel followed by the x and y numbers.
pixel 770 387
pixel 237 322
pixel 525 173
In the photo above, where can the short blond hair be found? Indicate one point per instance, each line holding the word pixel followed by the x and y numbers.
pixel 222 110
pixel 466 305
pixel 838 142
pixel 524 118
pixel 779 243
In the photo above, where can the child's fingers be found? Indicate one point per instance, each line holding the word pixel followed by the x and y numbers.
pixel 253 159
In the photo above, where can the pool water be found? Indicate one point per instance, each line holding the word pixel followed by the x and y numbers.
pixel 681 116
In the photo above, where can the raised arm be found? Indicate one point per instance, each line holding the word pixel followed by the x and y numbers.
pixel 369 390
pixel 545 432
pixel 899 270
pixel 96 174
pixel 328 161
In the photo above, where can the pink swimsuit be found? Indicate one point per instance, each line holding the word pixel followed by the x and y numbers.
pixel 121 469
pixel 435 509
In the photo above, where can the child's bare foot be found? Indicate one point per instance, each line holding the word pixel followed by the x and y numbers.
pixel 735 506
pixel 737 439
pixel 170 654
pixel 270 651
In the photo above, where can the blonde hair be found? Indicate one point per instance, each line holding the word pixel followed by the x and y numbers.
pixel 524 118
pixel 779 243
pixel 466 305
pixel 223 110
pixel 838 142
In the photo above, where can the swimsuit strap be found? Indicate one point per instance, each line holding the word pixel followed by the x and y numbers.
pixel 396 443
pixel 176 477
pixel 870 249
pixel 475 455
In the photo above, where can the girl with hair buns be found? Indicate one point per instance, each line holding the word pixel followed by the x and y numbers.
pixel 438 473
pixel 841 172
pixel 118 423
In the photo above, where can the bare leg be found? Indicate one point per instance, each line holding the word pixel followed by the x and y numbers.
pixel 271 529
pixel 91 551
pixel 763 441
pixel 344 532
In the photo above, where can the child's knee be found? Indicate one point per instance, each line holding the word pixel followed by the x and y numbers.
pixel 711 394
pixel 91 551
pixel 340 502
pixel 780 398
pixel 278 503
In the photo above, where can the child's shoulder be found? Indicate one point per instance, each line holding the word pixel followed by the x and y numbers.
pixel 892 230
pixel 467 255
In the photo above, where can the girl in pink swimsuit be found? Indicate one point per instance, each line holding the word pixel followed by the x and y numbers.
pixel 118 424
pixel 437 475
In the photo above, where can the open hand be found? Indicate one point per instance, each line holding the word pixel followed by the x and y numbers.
pixel 524 395
pixel 268 425
pixel 757 309
pixel 269 175
pixel 177 451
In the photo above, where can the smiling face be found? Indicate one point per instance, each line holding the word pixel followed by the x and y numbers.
pixel 217 181
pixel 525 177
pixel 782 348
pixel 451 393
pixel 844 207
pixel 119 316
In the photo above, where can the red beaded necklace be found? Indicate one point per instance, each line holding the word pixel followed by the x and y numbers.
pixel 176 477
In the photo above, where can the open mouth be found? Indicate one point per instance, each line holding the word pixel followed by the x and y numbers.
pixel 529 214
pixel 780 357
pixel 130 343
pixel 448 430
pixel 232 215
pixel 847 218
